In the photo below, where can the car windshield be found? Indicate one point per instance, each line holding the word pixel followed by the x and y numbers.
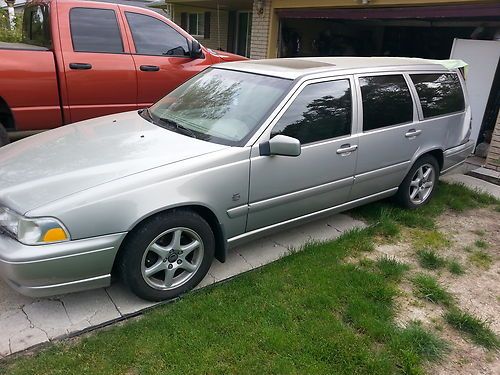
pixel 220 106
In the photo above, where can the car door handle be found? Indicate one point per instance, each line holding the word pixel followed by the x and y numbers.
pixel 412 133
pixel 149 68
pixel 346 149
pixel 80 66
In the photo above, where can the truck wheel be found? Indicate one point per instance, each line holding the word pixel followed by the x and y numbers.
pixel 167 255
pixel 419 184
pixel 4 137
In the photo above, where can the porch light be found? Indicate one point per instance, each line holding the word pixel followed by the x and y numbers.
pixel 260 6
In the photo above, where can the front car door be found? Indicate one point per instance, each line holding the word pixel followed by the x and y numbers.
pixel 99 70
pixel 320 115
pixel 161 56
pixel 390 134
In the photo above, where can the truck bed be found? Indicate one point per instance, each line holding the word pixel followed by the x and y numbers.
pixel 22 46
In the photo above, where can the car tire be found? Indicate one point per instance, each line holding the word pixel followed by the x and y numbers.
pixel 419 184
pixel 167 255
pixel 4 137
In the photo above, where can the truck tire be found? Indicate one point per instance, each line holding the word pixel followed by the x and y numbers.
pixel 4 137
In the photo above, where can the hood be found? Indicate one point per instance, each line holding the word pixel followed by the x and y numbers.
pixel 227 56
pixel 57 163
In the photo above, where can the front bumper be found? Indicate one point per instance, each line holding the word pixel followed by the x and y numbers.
pixel 455 156
pixel 38 271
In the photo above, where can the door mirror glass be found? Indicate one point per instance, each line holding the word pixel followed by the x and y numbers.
pixel 281 145
pixel 196 52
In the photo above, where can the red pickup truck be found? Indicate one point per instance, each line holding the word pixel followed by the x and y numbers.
pixel 83 59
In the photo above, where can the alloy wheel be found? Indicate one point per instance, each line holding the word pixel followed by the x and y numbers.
pixel 172 258
pixel 422 184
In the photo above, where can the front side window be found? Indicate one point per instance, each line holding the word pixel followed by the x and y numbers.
pixel 439 94
pixel 95 30
pixel 154 37
pixel 386 101
pixel 321 111
pixel 220 106
pixel 36 27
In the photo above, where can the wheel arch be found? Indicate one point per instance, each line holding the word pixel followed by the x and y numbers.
pixel 435 152
pixel 205 212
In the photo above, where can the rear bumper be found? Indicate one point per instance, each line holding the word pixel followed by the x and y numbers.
pixel 455 156
pixel 45 270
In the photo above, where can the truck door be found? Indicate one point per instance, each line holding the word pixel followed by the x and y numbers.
pixel 161 55
pixel 99 70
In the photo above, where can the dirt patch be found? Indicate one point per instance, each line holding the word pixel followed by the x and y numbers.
pixel 477 291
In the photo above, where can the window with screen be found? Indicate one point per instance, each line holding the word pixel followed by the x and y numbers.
pixel 321 111
pixel 154 37
pixel 95 30
pixel 439 94
pixel 386 101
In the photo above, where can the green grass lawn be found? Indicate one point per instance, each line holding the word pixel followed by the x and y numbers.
pixel 309 313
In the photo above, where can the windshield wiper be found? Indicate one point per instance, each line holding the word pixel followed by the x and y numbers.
pixel 178 126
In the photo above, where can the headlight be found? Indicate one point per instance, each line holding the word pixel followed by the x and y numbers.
pixel 32 231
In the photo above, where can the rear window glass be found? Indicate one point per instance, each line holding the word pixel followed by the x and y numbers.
pixel 439 94
pixel 386 101
pixel 95 30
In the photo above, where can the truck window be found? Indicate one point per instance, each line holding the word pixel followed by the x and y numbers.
pixel 154 37
pixel 386 101
pixel 36 28
pixel 439 94
pixel 95 30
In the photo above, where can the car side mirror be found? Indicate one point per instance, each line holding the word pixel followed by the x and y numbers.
pixel 280 145
pixel 195 52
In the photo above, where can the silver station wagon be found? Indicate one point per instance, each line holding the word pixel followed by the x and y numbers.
pixel 153 196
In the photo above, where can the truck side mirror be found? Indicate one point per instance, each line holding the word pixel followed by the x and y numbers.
pixel 196 52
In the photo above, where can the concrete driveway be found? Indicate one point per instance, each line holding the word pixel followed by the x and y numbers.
pixel 27 322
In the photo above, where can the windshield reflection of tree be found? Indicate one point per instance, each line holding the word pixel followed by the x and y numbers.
pixel 207 99
pixel 325 117
pixel 439 94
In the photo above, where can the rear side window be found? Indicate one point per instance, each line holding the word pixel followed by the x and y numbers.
pixel 36 27
pixel 154 37
pixel 386 101
pixel 95 30
pixel 321 111
pixel 439 94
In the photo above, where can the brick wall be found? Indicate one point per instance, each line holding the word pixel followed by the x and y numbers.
pixel 261 24
pixel 493 158
pixel 213 41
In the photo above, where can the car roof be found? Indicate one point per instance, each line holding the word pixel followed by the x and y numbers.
pixel 292 68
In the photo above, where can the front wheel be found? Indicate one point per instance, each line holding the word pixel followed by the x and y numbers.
pixel 168 255
pixel 419 184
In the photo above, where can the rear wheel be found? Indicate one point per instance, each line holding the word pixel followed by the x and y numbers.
pixel 4 137
pixel 168 255
pixel 419 184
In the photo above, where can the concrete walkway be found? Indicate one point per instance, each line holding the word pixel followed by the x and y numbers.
pixel 473 183
pixel 27 322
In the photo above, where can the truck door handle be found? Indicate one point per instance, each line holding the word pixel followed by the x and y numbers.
pixel 412 133
pixel 149 68
pixel 346 149
pixel 80 66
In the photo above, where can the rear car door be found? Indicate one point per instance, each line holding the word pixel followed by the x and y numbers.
pixel 99 70
pixel 161 56
pixel 389 135
pixel 320 115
